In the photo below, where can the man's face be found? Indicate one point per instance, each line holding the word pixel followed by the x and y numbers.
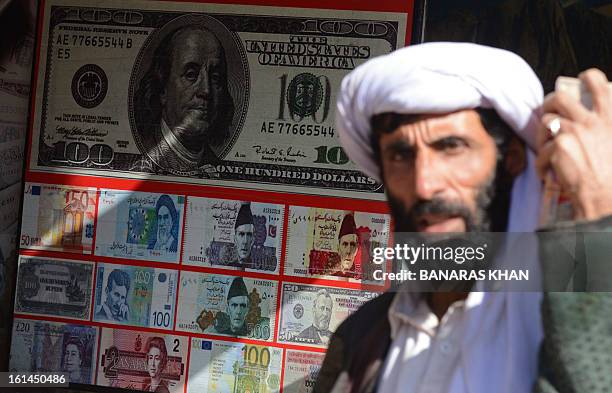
pixel 438 172
pixel 194 87
pixel 322 312
pixel 72 358
pixel 154 359
pixel 115 298
pixel 243 239
pixel 347 248
pixel 237 308
pixel 164 224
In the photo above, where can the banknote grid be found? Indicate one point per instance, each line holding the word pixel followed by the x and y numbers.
pixel 205 306
pixel 204 275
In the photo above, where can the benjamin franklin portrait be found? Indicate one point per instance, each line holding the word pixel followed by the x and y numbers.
pixel 190 89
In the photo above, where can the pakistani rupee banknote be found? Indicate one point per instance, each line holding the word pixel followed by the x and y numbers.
pixel 310 314
pixel 227 305
pixel 59 218
pixel 48 346
pixel 54 287
pixel 136 360
pixel 139 225
pixel 301 370
pixel 220 367
pixel 135 295
pixel 334 243
pixel 109 102
pixel 233 234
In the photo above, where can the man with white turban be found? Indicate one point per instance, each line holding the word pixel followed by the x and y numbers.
pixel 451 130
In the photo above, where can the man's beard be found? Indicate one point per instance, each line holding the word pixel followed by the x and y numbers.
pixel 489 215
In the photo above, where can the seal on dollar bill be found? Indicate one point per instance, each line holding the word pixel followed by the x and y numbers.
pixel 89 86
pixel 190 93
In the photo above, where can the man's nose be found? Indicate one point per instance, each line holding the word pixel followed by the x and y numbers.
pixel 203 87
pixel 428 176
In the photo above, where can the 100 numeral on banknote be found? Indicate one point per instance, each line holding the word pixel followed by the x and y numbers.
pixel 215 94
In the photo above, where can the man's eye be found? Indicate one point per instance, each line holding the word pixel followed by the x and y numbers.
pixel 401 155
pixel 191 75
pixel 451 145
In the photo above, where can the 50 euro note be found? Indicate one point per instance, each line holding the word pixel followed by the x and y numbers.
pixel 54 347
pixel 58 218
pixel 268 123
pixel 146 295
pixel 139 225
pixel 337 244
pixel 227 305
pixel 137 360
pixel 219 367
pixel 233 234
pixel 311 313
pixel 301 370
pixel 54 287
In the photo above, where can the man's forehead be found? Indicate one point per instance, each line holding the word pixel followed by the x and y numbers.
pixel 244 228
pixel 464 122
pixel 195 43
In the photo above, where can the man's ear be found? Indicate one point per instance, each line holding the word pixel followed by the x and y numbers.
pixel 516 157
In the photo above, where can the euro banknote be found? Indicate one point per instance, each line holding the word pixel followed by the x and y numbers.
pixel 220 367
pixel 58 218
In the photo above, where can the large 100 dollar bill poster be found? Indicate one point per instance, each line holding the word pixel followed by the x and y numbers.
pixel 212 94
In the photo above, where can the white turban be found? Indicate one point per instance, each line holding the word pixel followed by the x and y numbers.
pixel 503 329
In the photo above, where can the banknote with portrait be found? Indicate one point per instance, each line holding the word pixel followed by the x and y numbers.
pixel 152 362
pixel 56 287
pixel 54 347
pixel 135 295
pixel 310 313
pixel 139 225
pixel 227 305
pixel 217 366
pixel 301 370
pixel 336 244
pixel 109 103
pixel 58 218
pixel 233 234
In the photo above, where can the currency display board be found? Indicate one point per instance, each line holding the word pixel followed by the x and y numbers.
pixel 190 221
